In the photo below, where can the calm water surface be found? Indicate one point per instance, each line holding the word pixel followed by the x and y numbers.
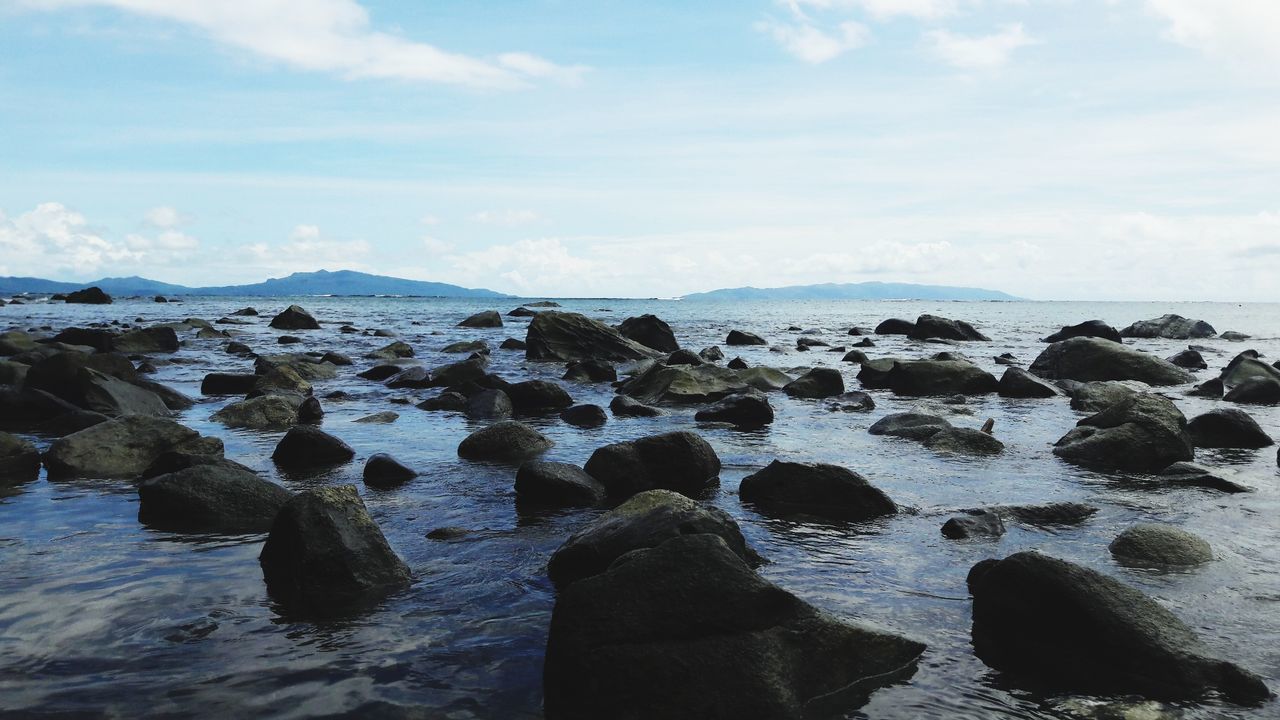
pixel 100 616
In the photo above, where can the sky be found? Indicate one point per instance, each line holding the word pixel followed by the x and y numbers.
pixel 1053 149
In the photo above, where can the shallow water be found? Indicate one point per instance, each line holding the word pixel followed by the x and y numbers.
pixel 102 616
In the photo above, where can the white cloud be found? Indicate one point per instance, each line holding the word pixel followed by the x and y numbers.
pixel 436 246
pixel 981 52
pixel 530 265
pixel 430 220
pixel 506 218
pixel 332 36
pixel 54 240
pixel 812 45
pixel 307 249
pixel 883 9
pixel 164 217
pixel 1239 30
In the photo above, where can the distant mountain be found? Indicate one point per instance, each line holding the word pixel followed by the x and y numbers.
pixel 322 282
pixel 854 291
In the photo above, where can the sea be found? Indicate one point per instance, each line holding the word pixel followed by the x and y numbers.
pixel 103 617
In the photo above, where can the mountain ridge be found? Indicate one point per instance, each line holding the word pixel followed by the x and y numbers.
pixel 320 282
pixel 873 290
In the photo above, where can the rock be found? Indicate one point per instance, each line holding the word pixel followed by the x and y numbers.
pixel 938 377
pixel 741 337
pixel 227 383
pixel 895 326
pixel 977 523
pixel 1234 336
pixel 385 472
pixel 146 368
pixel 382 332
pixel 680 461
pixel 146 340
pixel 123 448
pixel 210 498
pixel 392 351
pixel 449 533
pixel 1062 626
pixel 238 348
pixel 307 367
pixel 650 331
pixel 853 401
pixel 281 380
pixel 1100 395
pixel 266 412
pixel 89 296
pixel 741 410
pixel 1018 383
pixel 483 319
pixel 489 405
pixel 294 318
pixel 737 364
pixel 513 344
pixel 711 354
pixel 504 441
pixel 804 343
pixel 1143 433
pixel 522 312
pixel 963 441
pixel 1189 359
pixel 687 631
pixel 101 383
pixel 910 425
pixel 1227 428
pixel 471 370
pixel 211 334
pixel 854 356
pixel 1088 328
pixel 1246 366
pixel 288 340
pixel 537 396
pixel 684 357
pixel 245 312
pixel 594 371
pixel 19 460
pixel 646 520
pixel 1171 327
pixel 765 378
pixel 466 346
pixel 566 336
pixel 308 447
pixel 683 384
pixel 1150 544
pixel 1006 359
pixel 325 554
pixel 1063 513
pixel 1189 474
pixel 545 304
pixel 13 373
pixel 1255 391
pixel 818 489
pixel 556 484
pixel 310 411
pixel 1212 388
pixel 932 326
pixel 817 383
pixel 585 416
pixel 1086 359
pixel 385 417
pixel 623 406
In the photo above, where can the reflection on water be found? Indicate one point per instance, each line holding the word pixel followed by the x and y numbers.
pixel 102 616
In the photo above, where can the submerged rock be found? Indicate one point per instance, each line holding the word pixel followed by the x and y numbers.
pixel 1189 474
pixel 504 441
pixel 123 448
pixel 210 498
pixel 261 413
pixel 963 441
pixel 938 377
pixel 910 425
pixel 593 371
pixel 1155 545
pixel 1087 359
pixel 680 461
pixel 819 489
pixel 585 416
pixel 976 523
pixel 1143 433
pixel 684 384
pixel 1062 513
pixel 1172 327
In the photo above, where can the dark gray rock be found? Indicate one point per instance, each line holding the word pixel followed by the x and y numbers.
pixel 512 344
pixel 504 441
pixel 1227 428
pixel 910 425
pixel 146 340
pixel 1086 359
pixel 733 646
pixel 245 312
pixel 932 326
pixel 737 364
pixel 1062 626
pixel 963 441
pixel 623 406
pixel 1018 383
pixel 1099 395
pixel 854 356
pixel 210 498
pixel 483 319
pixel 384 472
pixel 1247 366
pixel 310 411
pixel 466 346
pixel 1189 359
pixel 650 331
pixel 1088 328
pixel 537 396
pixel 683 384
pixel 684 357
pixel 1157 545
pixel 592 371
pixel 938 377
pixel 308 447
pixel 1143 433
pixel 19 460
pixel 294 318
pixel 1050 514
pixel 818 489
pixel 816 383
pixel 123 448
pixel 522 312
pixel 565 336
pixel 680 461
pixel 325 555
pixel 895 326
pixel 379 418
pixel 1211 388
pixel 227 383
pixel 852 401
pixel 448 400
pixel 89 296
pixel 711 354
pixel 392 352
pixel 261 413
pixel 1189 474
pixel 741 410
pixel 585 416
pixel 742 337
pixel 976 523
pixel 541 483
pixel 489 405
pixel 1171 327
pixel 1255 391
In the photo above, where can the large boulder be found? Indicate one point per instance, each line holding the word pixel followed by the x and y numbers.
pixel 816 383
pixel 102 393
pixel 963 441
pixel 13 373
pixel 909 425
pixel 1189 359
pixel 309 447
pixel 1245 367
pixel 556 484
pixel 931 326
pixel 1171 327
pixel 650 331
pixel 1086 358
pixel 683 384
pixel 28 409
pixel 392 351
pixel 741 410
pixel 261 413
pixel 228 383
pixel 590 371
pixel 818 489
pixel 147 340
pixel 895 326
pixel 89 296
pixel 123 448
pixel 1255 391
pixel 1157 545
pixel 1227 428
pixel 1142 433
pixel 623 406
pixel 385 472
pixel 1189 474
pixel 646 520
pixel 1018 383
pixel 585 416
pixel 325 554
pixel 680 461
pixel 489 405
pixel 294 318
pixel 483 319
pixel 565 336
pixel 537 396
pixel 1100 394
pixel 1088 328
pixel 210 498
pixel 939 377
pixel 19 460
pixel 504 441
pixel 687 631
pixel 742 337
pixel 1061 626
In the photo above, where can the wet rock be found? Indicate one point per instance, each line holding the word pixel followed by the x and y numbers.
pixel 537 396
pixel 593 371
pixel 742 337
pixel 1087 359
pixel 963 441
pixel 910 425
pixel 1143 433
pixel 1172 327
pixel 737 364
pixel 1189 474
pixel 19 460
pixel 854 356
pixel 227 383
pixel 97 338
pixel 741 410
pixel 1234 336
pixel 294 318
pixel 381 372
pixel 385 417
pixel 522 312
pixel 451 401
pixel 1018 383
pixel 146 340
pixel 1100 395
pixel 932 326
pixel 310 411
pixel 758 650
pixel 977 523
pixel 471 370
pixel 1212 388
pixel 1189 359
pixel 765 378
pixel 895 326
pixel 680 461
pixel 245 312
pixel 623 406
pixel 123 448
pixel 650 331
pixel 1227 428
pixel 804 343
pixel 817 383
pixel 1063 626
pixel 556 484
pixel 483 319
pixel 325 554
pixel 504 441
pixel 176 460
pixel 1255 391
pixel 1088 328
pixel 874 374
pixel 565 336
pixel 102 383
pixel 711 354
pixel 308 447
pixel 281 380
pixel 13 373
pixel 683 384
pixel 288 340
pixel 261 413
pixel 210 498
pixel 384 472
pixel 1247 366
pixel 89 296
pixel 1155 545
pixel 818 489
pixel 585 416
pixel 684 357
pixel 466 346
pixel 449 533
pixel 238 348
pixel 336 358
pixel 392 351
pixel 512 344
pixel 853 401
pixel 489 405
pixel 938 377
pixel 1063 513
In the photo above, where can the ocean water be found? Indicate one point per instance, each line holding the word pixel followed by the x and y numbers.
pixel 100 616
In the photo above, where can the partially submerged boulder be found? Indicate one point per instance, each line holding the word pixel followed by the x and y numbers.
pixel 305 447
pixel 210 498
pixel 537 396
pixel 88 296
pixel 816 383
pixel 623 406
pixel 504 441
pixel 748 409
pixel 1189 474
pixel 683 384
pixel 1159 545
pixel 1018 383
pixel 294 318
pixel 1086 358
pixel 483 319
pixel 584 416
pixel 19 460
pixel 939 377
pixel 650 331
pixel 384 472
pixel 1255 391
pixel 146 340
pixel 1171 327
pixel 556 484
pixel 1227 428
pixel 1088 328
pixel 1142 433
pixel 974 523
pixel 1189 359
pixel 742 337
pixel 895 326
pixel 680 461
pixel 818 489
pixel 261 413
pixel 123 448
pixel 963 441
pixel 932 326
pixel 566 336
pixel 591 371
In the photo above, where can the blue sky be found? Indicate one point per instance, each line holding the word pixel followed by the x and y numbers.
pixel 1054 149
